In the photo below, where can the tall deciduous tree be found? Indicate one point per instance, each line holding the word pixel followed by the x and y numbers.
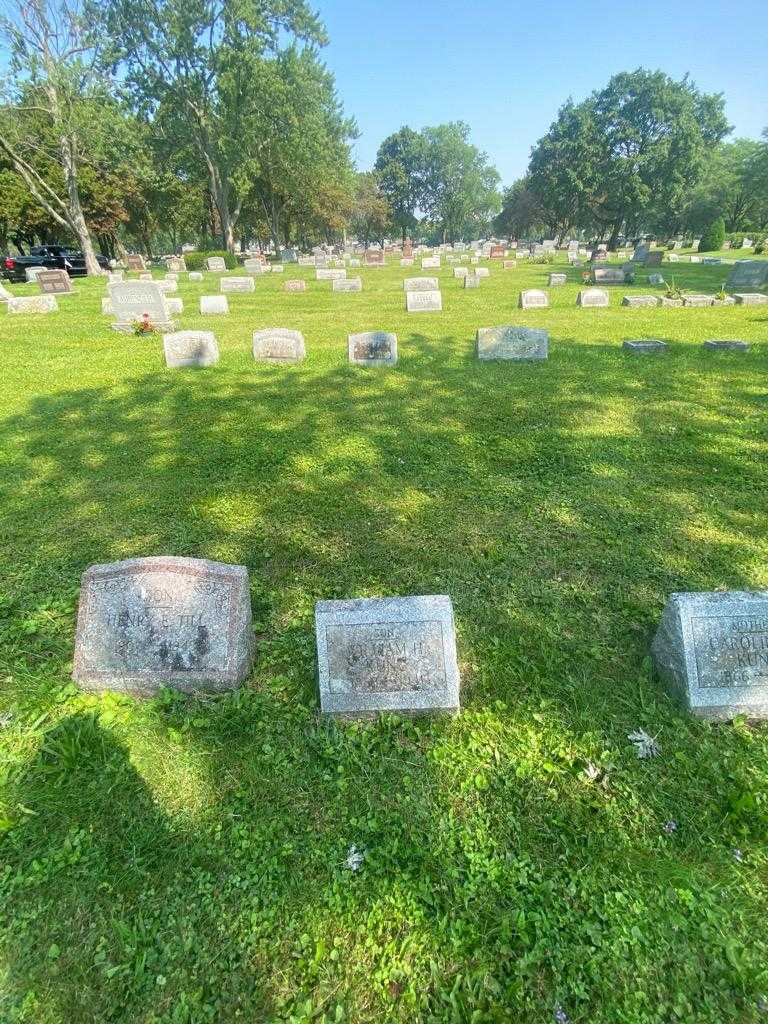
pixel 642 140
pixel 400 169
pixel 204 62
pixel 370 213
pixel 53 113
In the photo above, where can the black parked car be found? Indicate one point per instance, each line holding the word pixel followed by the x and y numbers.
pixel 52 257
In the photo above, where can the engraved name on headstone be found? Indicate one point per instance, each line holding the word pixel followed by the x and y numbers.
pixel 711 649
pixel 145 623
pixel 510 342
pixel 423 302
pixel 215 263
pixel 295 285
pixel 593 297
pixel 421 284
pixel 237 284
pixel 387 654
pixel 136 300
pixel 533 298
pixel 54 282
pixel 278 345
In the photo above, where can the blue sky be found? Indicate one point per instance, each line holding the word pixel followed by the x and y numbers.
pixel 506 67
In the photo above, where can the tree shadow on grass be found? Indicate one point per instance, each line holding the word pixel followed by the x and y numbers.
pixel 557 504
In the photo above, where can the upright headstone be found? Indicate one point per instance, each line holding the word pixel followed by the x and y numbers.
pixel 31 273
pixel 497 252
pixel 374 258
pixel 278 345
pixel 557 279
pixel 711 649
pixel 654 258
pixel 607 275
pixel 533 298
pixel 237 284
pixel 509 342
pixel 147 623
pixel 420 284
pixel 373 348
pixel 593 297
pixel 295 285
pixel 195 276
pixel 349 284
pixel 190 348
pixel 749 274
pixel 423 302
pixel 216 264
pixel 135 261
pixel 134 301
pixel 387 654
pixel 472 281
pixel 176 264
pixel 430 263
pixel 54 282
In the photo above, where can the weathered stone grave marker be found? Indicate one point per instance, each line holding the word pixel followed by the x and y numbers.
pixel 134 301
pixel 373 348
pixel 509 342
pixel 646 346
pixel 216 264
pixel 214 305
pixel 54 282
pixel 237 284
pixel 190 348
pixel 279 345
pixel 32 304
pixel 533 298
pixel 423 301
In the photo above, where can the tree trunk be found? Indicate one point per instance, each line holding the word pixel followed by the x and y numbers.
pixel 613 241
pixel 76 215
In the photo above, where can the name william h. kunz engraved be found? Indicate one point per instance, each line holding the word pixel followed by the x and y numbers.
pixel 145 623
pixel 712 651
pixel 387 654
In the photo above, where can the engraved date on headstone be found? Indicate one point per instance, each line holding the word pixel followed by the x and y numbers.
pixel 731 650
pixel 386 658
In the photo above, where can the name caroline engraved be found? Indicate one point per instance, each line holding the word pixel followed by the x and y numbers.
pixel 731 650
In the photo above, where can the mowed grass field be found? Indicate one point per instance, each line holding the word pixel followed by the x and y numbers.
pixel 182 860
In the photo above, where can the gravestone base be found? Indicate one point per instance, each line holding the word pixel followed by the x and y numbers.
pixel 646 346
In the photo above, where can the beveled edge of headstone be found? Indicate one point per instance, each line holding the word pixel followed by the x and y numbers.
pixel 526 291
pixel 285 334
pixel 412 608
pixel 352 338
pixel 594 289
pixel 674 656
pixel 140 684
pixel 208 337
pixel 645 346
pixel 727 344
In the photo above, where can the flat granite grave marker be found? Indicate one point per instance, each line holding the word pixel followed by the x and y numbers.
pixel 134 301
pixel 509 264
pixel 555 280
pixel 608 275
pixel 190 348
pixel 321 274
pixel 430 263
pixel 593 297
pixel 295 285
pixel 349 284
pixel 174 306
pixel 216 263
pixel 214 305
pixel 387 654
pixel 727 346
pixel 278 345
pixel 373 348
pixel 711 649
pixel 146 623
pixel 533 298
pixel 509 342
pixel 423 301
pixel 237 284
pixel 32 304
pixel 482 272
pixel 697 300
pixel 54 282
pixel 646 346
pixel 421 284
pixel 750 299
pixel 640 301
pixel 460 271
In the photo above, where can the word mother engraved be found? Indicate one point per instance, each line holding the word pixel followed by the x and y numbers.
pixel 387 654
pixel 145 623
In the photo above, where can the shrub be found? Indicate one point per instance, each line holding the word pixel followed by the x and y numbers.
pixel 196 260
pixel 713 237
pixel 735 238
pixel 761 246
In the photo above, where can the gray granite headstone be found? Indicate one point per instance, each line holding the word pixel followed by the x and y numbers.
pixel 533 298
pixel 213 304
pixel 608 275
pixel 373 348
pixel 593 297
pixel 32 304
pixel 556 280
pixel 145 623
pixel 697 301
pixel 135 261
pixel 387 654
pixel 31 273
pixel 727 345
pixel 711 649
pixel 278 345
pixel 134 301
pixel 460 271
pixel 54 282
pixel 509 342
pixel 421 284
pixel 430 263
pixel 646 346
pixel 190 348
pixel 216 263
pixel 472 281
pixel 321 274
pixel 640 301
pixel 237 284
pixel 655 279
pixel 750 299
pixel 295 285
pixel 423 302
pixel 349 284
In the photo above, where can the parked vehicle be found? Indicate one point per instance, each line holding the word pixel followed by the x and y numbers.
pixel 52 257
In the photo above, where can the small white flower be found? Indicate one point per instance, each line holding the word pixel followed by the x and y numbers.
pixel 592 772
pixel 354 859
pixel 645 745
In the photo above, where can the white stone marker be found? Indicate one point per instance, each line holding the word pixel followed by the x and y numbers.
pixel 421 284
pixel 133 301
pixel 32 304
pixel 387 654
pixel 278 345
pixel 216 263
pixel 424 302
pixel 593 297
pixel 349 284
pixel 321 274
pixel 237 284
pixel 533 298
pixel 190 348
pixel 211 305
pixel 195 276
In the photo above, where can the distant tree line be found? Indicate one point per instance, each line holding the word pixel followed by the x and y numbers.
pixel 144 124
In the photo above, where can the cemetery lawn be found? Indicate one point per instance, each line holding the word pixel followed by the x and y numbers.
pixel 182 861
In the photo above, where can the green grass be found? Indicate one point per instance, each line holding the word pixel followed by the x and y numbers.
pixel 182 860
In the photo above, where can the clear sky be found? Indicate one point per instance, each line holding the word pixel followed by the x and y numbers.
pixel 505 67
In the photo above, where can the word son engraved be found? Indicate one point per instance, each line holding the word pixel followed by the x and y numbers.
pixel 387 654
